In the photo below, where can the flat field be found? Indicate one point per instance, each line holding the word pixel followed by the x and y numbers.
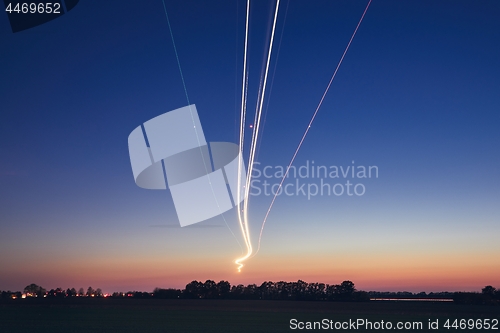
pixel 162 315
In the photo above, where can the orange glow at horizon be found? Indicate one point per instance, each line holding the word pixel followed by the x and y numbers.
pixel 368 272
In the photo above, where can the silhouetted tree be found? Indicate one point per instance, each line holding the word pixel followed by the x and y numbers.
pixel 360 296
pixel 223 289
pixel 58 292
pixel 299 290
pixel 72 292
pixel 34 290
pixel 331 291
pixel 138 294
pixel 10 294
pixel 317 291
pixel 488 290
pixel 251 292
pixel 209 290
pixel 266 290
pixel 90 292
pixel 347 287
pixel 194 289
pixel 488 295
pixel 283 290
pixel 167 293
pixel 237 291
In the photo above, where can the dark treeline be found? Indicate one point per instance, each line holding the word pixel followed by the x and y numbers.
pixel 488 295
pixel 298 291
pixel 269 290
pixel 34 290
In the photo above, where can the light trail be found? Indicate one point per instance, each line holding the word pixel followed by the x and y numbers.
pixel 309 126
pixel 273 76
pixel 241 221
pixel 255 134
pixel 192 119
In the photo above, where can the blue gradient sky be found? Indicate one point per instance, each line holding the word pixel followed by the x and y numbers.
pixel 417 96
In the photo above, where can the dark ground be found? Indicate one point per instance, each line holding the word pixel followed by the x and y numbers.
pixel 156 315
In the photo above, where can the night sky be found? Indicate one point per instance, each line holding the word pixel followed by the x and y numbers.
pixel 417 96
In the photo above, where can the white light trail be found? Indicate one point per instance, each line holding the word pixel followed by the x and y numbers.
pixel 309 126
pixel 243 226
pixel 255 134
pixel 192 117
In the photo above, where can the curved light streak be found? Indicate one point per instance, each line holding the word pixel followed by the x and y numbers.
pixel 255 134
pixel 241 221
pixel 309 126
